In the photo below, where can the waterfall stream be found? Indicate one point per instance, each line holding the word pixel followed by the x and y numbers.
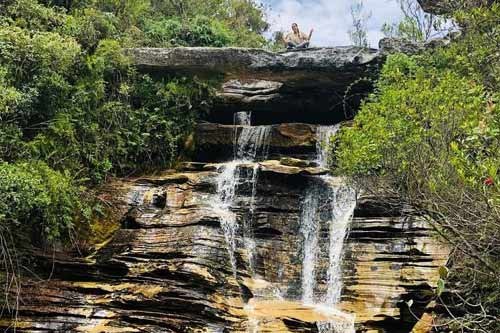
pixel 323 137
pixel 250 143
pixel 309 229
pixel 337 203
pixel 325 204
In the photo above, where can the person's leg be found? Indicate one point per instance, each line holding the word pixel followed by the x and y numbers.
pixel 303 45
pixel 291 45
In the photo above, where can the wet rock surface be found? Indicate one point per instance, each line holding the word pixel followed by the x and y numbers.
pixel 167 269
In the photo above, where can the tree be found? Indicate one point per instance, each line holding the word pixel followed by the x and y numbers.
pixel 358 33
pixel 417 25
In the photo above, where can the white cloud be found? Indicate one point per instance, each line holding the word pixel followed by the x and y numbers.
pixel 331 19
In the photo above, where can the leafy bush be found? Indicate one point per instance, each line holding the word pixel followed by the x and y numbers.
pixel 36 198
pixel 199 31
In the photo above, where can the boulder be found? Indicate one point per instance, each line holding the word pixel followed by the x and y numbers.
pixel 336 66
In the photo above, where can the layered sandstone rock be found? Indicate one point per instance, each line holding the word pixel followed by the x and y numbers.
pixel 168 269
pixel 335 66
pixel 294 86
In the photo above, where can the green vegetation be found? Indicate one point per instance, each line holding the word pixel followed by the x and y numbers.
pixel 431 134
pixel 74 112
pixel 416 25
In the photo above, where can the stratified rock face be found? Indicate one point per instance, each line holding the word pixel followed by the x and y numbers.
pixel 250 236
pixel 168 268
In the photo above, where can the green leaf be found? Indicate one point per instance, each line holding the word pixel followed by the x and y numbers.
pixel 440 287
pixel 443 272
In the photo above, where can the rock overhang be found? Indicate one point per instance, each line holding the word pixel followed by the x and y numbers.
pixel 297 86
pixel 293 68
pixel 315 85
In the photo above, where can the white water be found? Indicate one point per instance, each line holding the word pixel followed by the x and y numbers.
pixel 324 135
pixel 248 234
pixel 343 325
pixel 250 143
pixel 309 230
pixel 343 204
pixel 226 189
pixel 340 200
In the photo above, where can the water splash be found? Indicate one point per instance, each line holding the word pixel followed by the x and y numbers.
pixel 324 135
pixel 343 323
pixel 336 326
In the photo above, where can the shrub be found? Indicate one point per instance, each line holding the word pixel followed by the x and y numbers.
pixel 36 198
pixel 199 31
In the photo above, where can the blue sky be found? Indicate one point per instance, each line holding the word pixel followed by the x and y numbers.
pixel 331 19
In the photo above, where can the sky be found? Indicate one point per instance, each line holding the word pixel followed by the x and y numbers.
pixel 331 19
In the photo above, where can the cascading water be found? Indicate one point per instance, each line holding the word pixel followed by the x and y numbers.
pixel 250 143
pixel 340 200
pixel 343 204
pixel 309 229
pixel 323 137
pixel 226 188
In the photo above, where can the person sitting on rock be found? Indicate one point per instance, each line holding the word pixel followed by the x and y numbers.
pixel 297 39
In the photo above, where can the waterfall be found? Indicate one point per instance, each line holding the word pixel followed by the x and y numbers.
pixel 343 204
pixel 242 118
pixel 226 190
pixel 253 141
pixel 326 202
pixel 248 234
pixel 309 229
pixel 250 143
pixel 323 138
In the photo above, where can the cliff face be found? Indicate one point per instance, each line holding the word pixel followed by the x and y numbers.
pixel 253 236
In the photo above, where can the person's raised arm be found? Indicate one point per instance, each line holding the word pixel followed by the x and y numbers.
pixel 284 38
